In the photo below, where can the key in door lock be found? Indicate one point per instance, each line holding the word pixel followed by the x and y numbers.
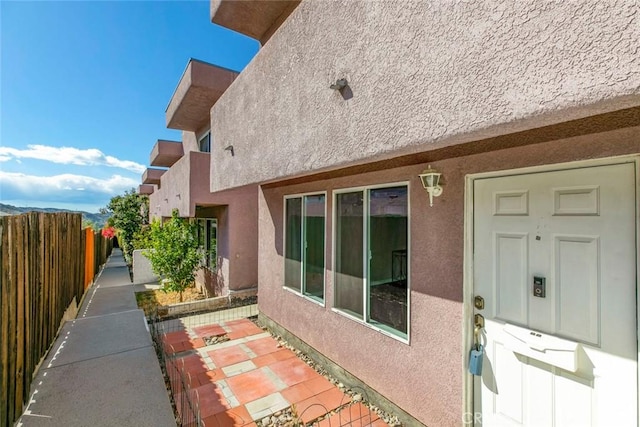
pixel 539 287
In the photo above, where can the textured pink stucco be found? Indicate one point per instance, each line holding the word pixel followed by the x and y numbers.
pixel 165 153
pixel 238 235
pixel 185 186
pixel 257 19
pixel 423 75
pixel 152 176
pixel 199 88
pixel 189 176
pixel 425 378
pixel 146 189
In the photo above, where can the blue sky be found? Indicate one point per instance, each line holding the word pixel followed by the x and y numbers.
pixel 83 90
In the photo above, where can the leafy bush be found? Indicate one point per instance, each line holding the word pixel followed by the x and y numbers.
pixel 129 212
pixel 174 252
pixel 142 238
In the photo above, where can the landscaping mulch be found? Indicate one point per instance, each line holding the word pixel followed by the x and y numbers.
pixel 151 300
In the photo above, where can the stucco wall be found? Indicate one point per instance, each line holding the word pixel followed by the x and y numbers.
pixel 425 378
pixel 185 186
pixel 174 191
pixel 142 270
pixel 237 235
pixel 190 141
pixel 423 74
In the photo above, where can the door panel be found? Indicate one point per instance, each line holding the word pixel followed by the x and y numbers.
pixel 568 358
pixel 511 254
pixel 576 260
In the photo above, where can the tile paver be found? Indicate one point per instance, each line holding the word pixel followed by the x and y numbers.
pixel 297 393
pixel 251 386
pixel 318 385
pixel 239 368
pixel 293 371
pixel 310 409
pixel 228 356
pixel 234 417
pixel 263 346
pixel 267 405
pixel 209 331
pixel 333 398
pixel 240 381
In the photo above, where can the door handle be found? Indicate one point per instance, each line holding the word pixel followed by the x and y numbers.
pixel 478 321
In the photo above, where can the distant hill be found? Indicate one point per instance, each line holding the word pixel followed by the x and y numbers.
pixel 96 218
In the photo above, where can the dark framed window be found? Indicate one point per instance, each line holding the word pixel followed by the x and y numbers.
pixel 204 143
pixel 207 240
pixel 305 222
pixel 371 253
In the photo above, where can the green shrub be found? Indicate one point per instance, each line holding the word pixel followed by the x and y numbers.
pixel 174 252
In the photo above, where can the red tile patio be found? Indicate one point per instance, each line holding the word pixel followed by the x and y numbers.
pixel 228 356
pixel 251 385
pixel 241 381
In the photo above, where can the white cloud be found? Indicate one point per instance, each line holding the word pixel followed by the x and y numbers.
pixel 69 155
pixel 65 187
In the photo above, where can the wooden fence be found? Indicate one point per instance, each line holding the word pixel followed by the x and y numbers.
pixel 43 270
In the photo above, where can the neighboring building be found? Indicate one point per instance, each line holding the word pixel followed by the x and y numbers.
pixel 531 113
pixel 228 219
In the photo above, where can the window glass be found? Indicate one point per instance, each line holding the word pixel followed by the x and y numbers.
pixel 205 143
pixel 314 223
pixel 371 252
pixel 207 242
pixel 212 243
pixel 388 292
pixel 201 229
pixel 293 241
pixel 202 232
pixel 349 252
pixel 304 245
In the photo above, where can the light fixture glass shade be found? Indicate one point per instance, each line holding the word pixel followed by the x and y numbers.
pixel 430 180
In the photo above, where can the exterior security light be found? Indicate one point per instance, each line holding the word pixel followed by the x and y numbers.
pixel 339 84
pixel 430 179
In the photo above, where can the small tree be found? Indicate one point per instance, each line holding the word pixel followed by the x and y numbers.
pixel 174 252
pixel 129 212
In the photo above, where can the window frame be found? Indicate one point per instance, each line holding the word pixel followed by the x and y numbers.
pixel 202 136
pixel 366 285
pixel 322 302
pixel 211 224
pixel 204 236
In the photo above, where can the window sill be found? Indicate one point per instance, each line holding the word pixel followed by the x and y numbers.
pixel 383 331
pixel 316 301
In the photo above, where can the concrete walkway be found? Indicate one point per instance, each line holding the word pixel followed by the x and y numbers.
pixel 102 370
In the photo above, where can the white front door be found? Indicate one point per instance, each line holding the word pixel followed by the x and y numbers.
pixel 554 258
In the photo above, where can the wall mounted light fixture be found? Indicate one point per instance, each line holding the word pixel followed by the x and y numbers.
pixel 230 148
pixel 430 179
pixel 339 84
